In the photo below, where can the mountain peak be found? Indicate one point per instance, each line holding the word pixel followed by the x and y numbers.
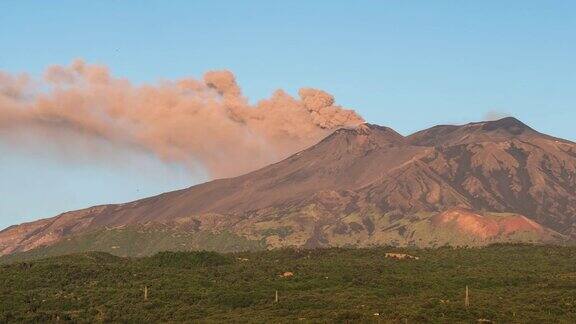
pixel 379 134
pixel 509 124
pixel 376 133
pixel 498 130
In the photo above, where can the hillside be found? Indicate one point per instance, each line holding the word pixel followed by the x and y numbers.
pixel 507 284
pixel 499 181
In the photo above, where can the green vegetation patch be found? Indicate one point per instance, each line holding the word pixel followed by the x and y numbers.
pixel 507 284
pixel 188 260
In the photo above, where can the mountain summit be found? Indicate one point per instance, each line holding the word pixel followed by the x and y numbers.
pixel 474 184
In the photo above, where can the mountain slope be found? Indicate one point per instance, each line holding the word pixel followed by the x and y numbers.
pixel 360 187
pixel 506 166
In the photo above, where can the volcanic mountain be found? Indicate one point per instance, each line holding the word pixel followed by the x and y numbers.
pixel 475 184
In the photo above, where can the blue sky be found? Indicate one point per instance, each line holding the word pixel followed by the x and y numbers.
pixel 405 64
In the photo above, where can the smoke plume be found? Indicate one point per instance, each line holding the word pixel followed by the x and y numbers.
pixel 495 115
pixel 206 122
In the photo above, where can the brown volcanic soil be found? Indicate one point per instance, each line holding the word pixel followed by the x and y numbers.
pixel 506 166
pixel 370 174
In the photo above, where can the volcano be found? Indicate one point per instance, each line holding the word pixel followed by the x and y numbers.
pixel 474 184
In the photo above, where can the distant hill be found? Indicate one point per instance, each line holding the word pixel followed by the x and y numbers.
pixel 475 184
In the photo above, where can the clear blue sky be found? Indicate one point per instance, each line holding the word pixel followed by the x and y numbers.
pixel 404 64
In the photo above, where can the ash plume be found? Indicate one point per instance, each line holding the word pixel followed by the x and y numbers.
pixel 81 107
pixel 494 115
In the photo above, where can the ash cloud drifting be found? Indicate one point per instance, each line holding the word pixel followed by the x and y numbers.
pixel 83 110
pixel 494 115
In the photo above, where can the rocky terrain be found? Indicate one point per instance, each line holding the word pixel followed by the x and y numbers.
pixel 475 184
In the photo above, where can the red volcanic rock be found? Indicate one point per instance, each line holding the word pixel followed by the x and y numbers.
pixel 486 227
pixel 519 223
pixel 468 222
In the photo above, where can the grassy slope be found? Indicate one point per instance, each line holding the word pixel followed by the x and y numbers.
pixel 508 283
pixel 137 242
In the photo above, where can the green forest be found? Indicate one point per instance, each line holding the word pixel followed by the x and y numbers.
pixel 506 283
